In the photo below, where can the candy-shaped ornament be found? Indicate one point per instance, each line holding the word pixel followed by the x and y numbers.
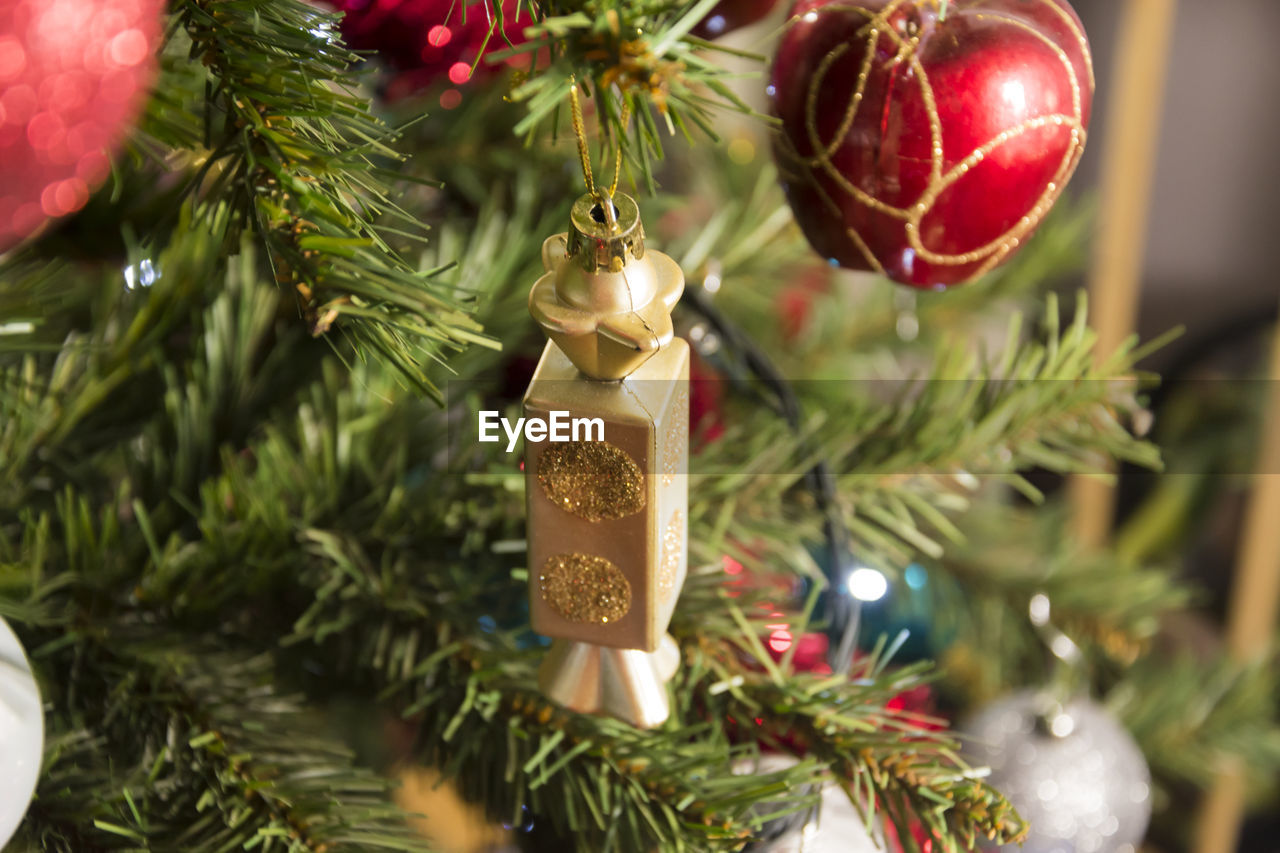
pixel 608 508
pixel 927 139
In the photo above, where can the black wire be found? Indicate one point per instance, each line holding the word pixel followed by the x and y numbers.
pixel 843 612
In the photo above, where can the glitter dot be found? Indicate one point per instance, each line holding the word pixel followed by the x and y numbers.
pixel 93 166
pixel 45 131
pixel 459 72
pixel 584 588
pixel 12 58
pixel 676 441
pixel 65 92
pixel 128 48
pixel 118 86
pixel 20 103
pixel 68 195
pixel 49 201
pixel 672 551
pixel 593 480
pixel 27 217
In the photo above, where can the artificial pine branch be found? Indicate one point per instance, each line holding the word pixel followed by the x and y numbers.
pixel 851 329
pixel 1189 714
pixel 888 762
pixel 1109 605
pixel 192 749
pixel 634 58
pixel 905 468
pixel 379 592
pixel 292 147
pixel 86 378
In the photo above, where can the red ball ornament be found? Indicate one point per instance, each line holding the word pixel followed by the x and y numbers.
pixel 427 42
pixel 927 140
pixel 729 15
pixel 73 75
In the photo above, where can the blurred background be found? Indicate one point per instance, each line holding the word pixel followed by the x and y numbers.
pixel 1214 204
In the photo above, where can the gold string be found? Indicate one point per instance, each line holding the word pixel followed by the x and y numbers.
pixel 584 153
pixel 617 163
pixel 584 150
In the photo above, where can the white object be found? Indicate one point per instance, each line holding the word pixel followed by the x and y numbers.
pixel 1073 773
pixel 21 733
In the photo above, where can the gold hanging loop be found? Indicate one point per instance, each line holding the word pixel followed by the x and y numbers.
pixel 617 162
pixel 584 152
pixel 584 149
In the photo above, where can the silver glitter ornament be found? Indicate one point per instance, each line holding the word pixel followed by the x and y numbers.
pixel 1074 774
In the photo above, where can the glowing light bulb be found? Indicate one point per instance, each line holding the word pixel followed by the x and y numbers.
pixel 459 72
pixel 867 584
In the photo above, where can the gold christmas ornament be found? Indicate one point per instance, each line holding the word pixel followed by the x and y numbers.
pixel 607 517
pixel 591 479
pixel 583 588
pixel 672 555
pixel 604 300
pixel 636 413
pixel 675 448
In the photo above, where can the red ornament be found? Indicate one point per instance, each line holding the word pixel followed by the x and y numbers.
pixel 795 300
pixel 427 41
pixel 926 147
pixel 729 15
pixel 73 75
pixel 706 401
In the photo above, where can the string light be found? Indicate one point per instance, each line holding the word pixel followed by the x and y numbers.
pixel 867 584
pixel 459 72
pixel 141 274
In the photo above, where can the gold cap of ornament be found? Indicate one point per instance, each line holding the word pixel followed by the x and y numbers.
pixel 605 301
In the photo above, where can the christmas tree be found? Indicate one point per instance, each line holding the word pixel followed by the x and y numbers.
pixel 264 573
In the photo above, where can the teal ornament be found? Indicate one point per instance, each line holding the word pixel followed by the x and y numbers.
pixel 911 607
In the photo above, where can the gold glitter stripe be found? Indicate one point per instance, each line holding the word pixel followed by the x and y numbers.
pixel 584 588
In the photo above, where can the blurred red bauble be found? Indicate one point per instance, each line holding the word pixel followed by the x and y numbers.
pixel 706 401
pixel 795 300
pixel 729 15
pixel 427 42
pixel 73 76
pixel 924 147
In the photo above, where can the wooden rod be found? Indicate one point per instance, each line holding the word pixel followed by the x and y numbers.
pixel 1255 594
pixel 1252 614
pixel 1128 169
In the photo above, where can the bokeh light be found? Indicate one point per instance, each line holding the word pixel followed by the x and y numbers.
pixel 73 75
